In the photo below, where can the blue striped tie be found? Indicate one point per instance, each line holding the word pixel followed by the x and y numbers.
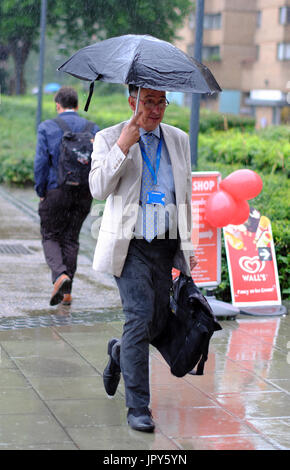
pixel 149 212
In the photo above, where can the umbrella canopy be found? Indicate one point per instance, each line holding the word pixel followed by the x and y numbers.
pixel 144 61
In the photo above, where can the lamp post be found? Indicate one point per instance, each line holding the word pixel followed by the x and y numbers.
pixel 41 60
pixel 195 102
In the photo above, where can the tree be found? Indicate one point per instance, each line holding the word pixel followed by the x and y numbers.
pixel 80 22
pixel 108 18
pixel 19 25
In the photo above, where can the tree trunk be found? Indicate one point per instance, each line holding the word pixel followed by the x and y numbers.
pixel 4 52
pixel 20 49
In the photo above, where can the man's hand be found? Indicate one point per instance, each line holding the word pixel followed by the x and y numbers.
pixel 130 134
pixel 193 262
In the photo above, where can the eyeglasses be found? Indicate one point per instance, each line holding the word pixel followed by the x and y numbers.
pixel 150 104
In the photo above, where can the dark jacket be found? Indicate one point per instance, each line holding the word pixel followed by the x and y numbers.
pixel 49 137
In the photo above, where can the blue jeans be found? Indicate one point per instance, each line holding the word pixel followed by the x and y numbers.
pixel 144 288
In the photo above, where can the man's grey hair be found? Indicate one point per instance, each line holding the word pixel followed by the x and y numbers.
pixel 133 89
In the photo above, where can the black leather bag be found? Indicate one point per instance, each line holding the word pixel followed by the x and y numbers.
pixel 184 343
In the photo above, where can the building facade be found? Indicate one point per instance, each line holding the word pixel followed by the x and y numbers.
pixel 246 44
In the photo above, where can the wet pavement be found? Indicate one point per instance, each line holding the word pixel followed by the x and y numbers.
pixel 52 358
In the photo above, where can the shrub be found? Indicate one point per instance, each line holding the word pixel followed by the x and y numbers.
pixel 210 120
pixel 275 133
pixel 17 171
pixel 247 150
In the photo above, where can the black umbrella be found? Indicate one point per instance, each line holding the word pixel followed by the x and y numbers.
pixel 143 61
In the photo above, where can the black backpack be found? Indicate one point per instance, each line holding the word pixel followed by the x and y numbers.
pixel 74 161
pixel 184 343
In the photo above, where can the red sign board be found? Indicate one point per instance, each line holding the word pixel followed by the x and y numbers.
pixel 205 238
pixel 252 262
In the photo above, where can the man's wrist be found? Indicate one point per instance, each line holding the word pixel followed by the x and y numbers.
pixel 123 147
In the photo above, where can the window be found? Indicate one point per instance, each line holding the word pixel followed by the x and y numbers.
pixel 191 20
pixel 211 53
pixel 259 19
pixel 283 52
pixel 212 21
pixel 284 15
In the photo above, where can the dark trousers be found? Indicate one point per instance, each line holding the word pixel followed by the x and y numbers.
pixel 62 214
pixel 144 289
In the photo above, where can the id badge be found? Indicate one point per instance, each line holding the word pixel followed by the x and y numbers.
pixel 155 197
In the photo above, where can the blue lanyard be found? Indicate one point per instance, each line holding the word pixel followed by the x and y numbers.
pixel 148 163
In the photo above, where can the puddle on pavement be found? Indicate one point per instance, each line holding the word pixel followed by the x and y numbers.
pixel 63 315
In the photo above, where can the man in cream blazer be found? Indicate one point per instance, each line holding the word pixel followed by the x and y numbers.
pixel 142 268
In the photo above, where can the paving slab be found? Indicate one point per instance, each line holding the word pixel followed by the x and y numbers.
pixel 20 230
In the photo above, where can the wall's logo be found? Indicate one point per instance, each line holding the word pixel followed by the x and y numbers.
pixel 251 265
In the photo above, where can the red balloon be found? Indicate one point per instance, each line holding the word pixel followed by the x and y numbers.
pixel 242 212
pixel 242 184
pixel 220 209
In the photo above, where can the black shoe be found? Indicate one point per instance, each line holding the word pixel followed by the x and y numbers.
pixel 61 287
pixel 112 372
pixel 140 419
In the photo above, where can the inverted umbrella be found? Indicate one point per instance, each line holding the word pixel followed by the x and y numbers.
pixel 143 61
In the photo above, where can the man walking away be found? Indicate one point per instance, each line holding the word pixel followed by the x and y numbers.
pixel 61 168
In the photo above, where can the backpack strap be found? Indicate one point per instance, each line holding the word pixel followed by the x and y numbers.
pixel 65 127
pixel 62 124
pixel 89 126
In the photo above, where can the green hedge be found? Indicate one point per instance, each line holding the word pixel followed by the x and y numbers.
pixel 18 133
pixel 209 120
pixel 254 150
